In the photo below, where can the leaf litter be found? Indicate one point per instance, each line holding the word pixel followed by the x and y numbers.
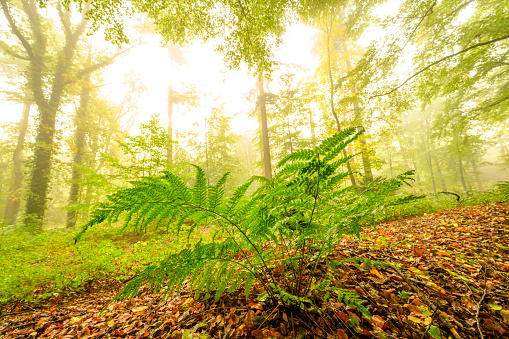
pixel 448 278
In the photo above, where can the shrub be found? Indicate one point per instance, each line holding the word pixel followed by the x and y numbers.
pixel 288 224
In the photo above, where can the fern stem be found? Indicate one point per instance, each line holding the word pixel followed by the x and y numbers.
pixel 315 197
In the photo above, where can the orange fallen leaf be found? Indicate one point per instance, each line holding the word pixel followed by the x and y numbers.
pixel 257 334
pixel 444 254
pixel 378 321
pixel 342 334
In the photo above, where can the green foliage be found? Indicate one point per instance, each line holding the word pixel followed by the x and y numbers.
pixel 503 188
pixel 437 202
pixel 288 224
pixel 49 264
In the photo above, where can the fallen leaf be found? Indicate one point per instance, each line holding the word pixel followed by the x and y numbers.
pixel 434 332
pixel 377 274
pixel 341 334
pixel 414 319
pixel 257 334
pixel 378 321
pixel 74 320
pixel 444 254
pixel 495 307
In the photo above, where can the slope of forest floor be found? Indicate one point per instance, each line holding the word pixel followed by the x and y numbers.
pixel 450 279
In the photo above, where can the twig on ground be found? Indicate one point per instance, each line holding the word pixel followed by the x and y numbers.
pixel 479 304
pixel 441 316
pixel 432 318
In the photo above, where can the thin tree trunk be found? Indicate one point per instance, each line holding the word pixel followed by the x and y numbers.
pixel 462 174
pixel 439 170
pixel 14 194
pixel 265 131
pixel 480 187
pixel 207 152
pixel 170 124
pixel 366 162
pixel 428 157
pixel 331 86
pixel 390 164
pixel 74 194
pixel 289 132
pixel 312 127
pixel 418 178
pixel 504 151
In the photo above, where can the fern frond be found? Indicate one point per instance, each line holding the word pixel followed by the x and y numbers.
pixel 301 155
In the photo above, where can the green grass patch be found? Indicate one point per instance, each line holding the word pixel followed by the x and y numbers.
pixel 37 267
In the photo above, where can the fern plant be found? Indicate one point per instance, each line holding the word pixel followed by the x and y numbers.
pixel 288 224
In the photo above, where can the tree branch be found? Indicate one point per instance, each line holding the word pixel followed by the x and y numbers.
pixel 16 31
pixel 492 104
pixel 437 62
pixel 92 68
pixel 64 19
pixel 81 27
pixel 7 49
pixel 30 8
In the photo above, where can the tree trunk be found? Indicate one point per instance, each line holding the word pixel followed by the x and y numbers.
pixel 312 127
pixel 390 164
pixel 462 174
pixel 418 178
pixel 366 162
pixel 72 213
pixel 439 170
pixel 428 157
pixel 265 131
pixel 48 108
pixel 331 86
pixel 207 173
pixel 14 195
pixel 477 177
pixel 170 124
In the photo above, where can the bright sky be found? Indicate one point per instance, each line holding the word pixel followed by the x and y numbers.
pixel 204 70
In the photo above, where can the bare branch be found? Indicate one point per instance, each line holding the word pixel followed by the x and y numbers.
pixel 31 9
pixel 437 62
pixel 8 49
pixel 81 27
pixel 16 31
pixel 64 19
pixel 92 68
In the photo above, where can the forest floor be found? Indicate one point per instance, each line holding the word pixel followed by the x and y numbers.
pixel 451 280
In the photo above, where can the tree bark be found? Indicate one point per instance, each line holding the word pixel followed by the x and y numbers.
pixel 170 124
pixel 265 131
pixel 366 162
pixel 390 164
pixel 439 170
pixel 312 127
pixel 48 108
pixel 331 85
pixel 81 117
pixel 462 174
pixel 14 195
pixel 428 156
pixel 480 187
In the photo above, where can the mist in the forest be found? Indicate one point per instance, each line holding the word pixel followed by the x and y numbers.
pixel 82 116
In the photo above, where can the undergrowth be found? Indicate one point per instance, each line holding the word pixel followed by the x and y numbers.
pixel 289 224
pixel 50 264
pixel 434 202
